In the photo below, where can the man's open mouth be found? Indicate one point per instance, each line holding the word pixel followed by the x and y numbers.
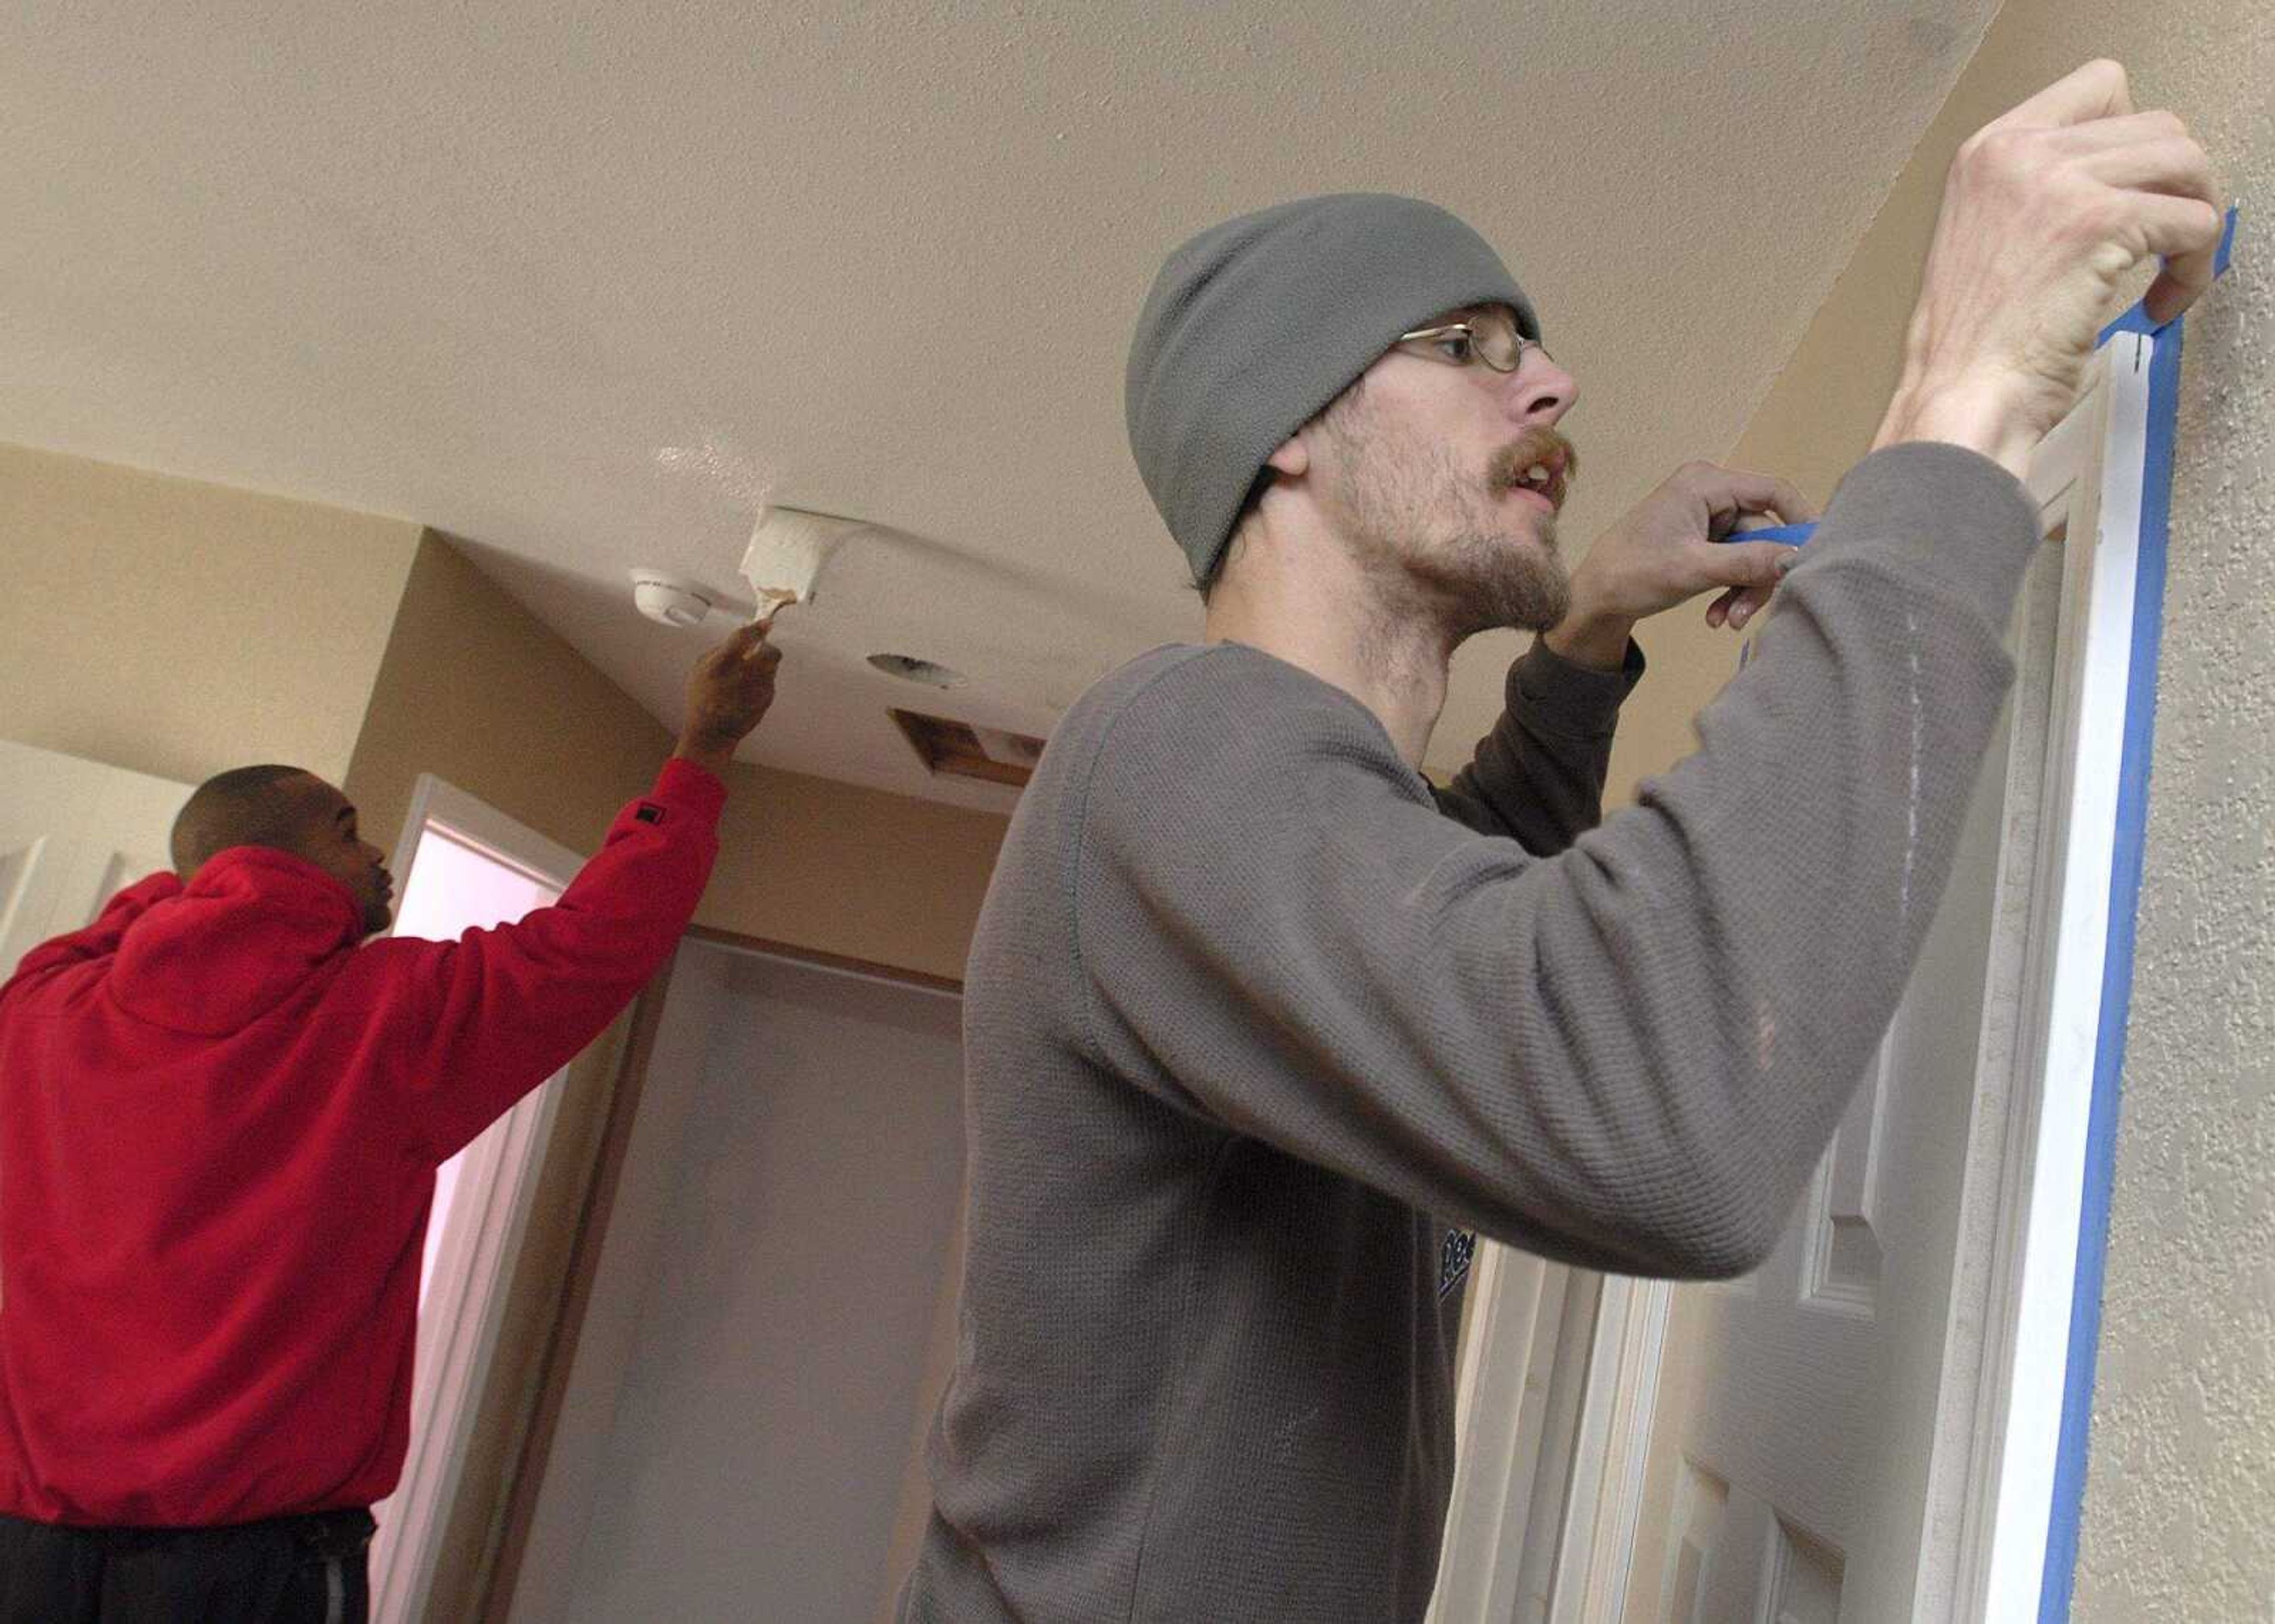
pixel 1547 476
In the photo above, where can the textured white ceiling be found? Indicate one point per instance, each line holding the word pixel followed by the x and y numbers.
pixel 576 283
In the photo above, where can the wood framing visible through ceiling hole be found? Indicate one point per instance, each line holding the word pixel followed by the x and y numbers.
pixel 964 749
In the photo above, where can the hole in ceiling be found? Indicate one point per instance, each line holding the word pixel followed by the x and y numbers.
pixel 967 750
pixel 910 669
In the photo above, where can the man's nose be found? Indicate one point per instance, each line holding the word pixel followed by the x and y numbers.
pixel 1540 392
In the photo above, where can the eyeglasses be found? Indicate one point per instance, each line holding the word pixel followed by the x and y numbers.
pixel 1490 336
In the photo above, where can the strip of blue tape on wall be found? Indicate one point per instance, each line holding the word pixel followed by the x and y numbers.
pixel 2058 1584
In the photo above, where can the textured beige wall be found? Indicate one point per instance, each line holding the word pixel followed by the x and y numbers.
pixel 2181 1485
pixel 183 629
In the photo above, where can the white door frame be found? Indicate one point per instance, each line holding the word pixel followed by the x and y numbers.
pixel 459 1321
pixel 2103 474
pixel 2019 1536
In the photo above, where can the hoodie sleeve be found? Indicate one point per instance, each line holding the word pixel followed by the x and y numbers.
pixel 471 1025
pixel 97 938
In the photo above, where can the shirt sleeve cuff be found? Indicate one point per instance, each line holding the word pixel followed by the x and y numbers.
pixel 692 789
pixel 1557 696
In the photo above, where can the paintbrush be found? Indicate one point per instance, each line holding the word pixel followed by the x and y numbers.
pixel 788 548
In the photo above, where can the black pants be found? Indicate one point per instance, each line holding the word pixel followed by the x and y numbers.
pixel 288 1570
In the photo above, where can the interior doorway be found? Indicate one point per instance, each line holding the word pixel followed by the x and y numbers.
pixel 464 865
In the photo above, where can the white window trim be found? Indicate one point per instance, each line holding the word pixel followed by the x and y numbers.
pixel 460 1321
pixel 2046 1212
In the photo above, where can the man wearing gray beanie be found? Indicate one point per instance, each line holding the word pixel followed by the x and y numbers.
pixel 1263 1028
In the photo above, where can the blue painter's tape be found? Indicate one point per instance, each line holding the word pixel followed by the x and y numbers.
pixel 1788 535
pixel 2136 320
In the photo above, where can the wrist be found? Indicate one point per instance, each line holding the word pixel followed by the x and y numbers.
pixel 1976 415
pixel 1595 638
pixel 714 757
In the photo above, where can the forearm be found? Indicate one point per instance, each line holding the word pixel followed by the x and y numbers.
pixel 1634 1051
pixel 1587 637
pixel 1539 777
pixel 502 1009
pixel 714 757
pixel 1712 969
pixel 1974 418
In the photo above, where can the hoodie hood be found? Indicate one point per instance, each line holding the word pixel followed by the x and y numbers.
pixel 234 944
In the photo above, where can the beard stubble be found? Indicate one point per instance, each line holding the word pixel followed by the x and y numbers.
pixel 1415 516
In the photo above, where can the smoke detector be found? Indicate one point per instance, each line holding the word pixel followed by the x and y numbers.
pixel 668 599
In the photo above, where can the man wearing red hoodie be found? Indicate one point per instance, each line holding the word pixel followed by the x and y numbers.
pixel 221 1113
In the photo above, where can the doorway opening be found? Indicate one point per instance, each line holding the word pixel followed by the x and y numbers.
pixel 465 866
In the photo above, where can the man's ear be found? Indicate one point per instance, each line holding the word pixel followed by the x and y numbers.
pixel 1292 459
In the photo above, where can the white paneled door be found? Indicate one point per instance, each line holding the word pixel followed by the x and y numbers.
pixel 1839 1428
pixel 73 833
pixel 1801 1462
pixel 1865 1429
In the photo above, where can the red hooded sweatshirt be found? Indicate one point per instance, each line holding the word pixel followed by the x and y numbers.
pixel 220 1120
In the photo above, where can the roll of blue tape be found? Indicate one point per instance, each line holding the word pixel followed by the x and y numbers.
pixel 1788 535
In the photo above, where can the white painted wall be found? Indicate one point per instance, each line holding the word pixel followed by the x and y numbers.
pixel 762 1429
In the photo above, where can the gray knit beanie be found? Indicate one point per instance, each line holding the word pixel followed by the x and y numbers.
pixel 1255 325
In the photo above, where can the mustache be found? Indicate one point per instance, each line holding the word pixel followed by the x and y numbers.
pixel 1538 445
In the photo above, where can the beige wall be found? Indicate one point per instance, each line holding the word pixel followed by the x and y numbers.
pixel 2183 1442
pixel 858 872
pixel 183 629
pixel 478 691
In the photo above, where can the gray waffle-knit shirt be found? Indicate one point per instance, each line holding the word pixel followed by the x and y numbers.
pixel 1256 1024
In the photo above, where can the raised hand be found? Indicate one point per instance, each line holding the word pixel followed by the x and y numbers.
pixel 1665 551
pixel 2045 212
pixel 727 695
